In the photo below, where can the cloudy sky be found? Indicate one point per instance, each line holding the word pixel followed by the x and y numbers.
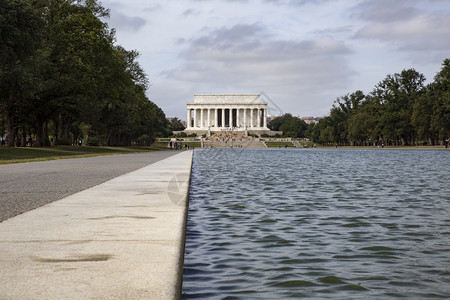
pixel 302 54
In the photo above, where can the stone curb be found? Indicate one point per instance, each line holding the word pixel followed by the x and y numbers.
pixel 122 239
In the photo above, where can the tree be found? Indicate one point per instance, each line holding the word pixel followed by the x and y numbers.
pixel 60 69
pixel 175 124
pixel 396 94
pixel 20 33
pixel 363 124
pixel 340 113
pixel 77 47
pixel 291 126
pixel 440 120
pixel 399 110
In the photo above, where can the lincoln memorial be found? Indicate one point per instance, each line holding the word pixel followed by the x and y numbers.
pixel 226 112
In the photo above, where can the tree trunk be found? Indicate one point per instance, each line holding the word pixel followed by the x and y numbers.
pixel 11 132
pixel 2 132
pixel 63 132
pixel 24 137
pixel 41 132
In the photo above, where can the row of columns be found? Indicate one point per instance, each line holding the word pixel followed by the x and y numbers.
pixel 233 115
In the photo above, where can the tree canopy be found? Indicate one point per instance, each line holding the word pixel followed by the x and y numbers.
pixel 291 126
pixel 400 110
pixel 63 78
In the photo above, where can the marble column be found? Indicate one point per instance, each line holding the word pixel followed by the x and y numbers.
pixel 265 117
pixel 259 117
pixel 209 118
pixel 195 117
pixel 216 117
pixel 251 117
pixel 188 120
pixel 202 118
pixel 245 117
pixel 239 119
pixel 223 117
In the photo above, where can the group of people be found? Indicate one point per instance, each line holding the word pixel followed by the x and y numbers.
pixel 29 142
pixel 178 145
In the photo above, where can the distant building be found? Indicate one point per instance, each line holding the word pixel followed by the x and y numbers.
pixel 219 112
pixel 227 112
pixel 270 118
pixel 310 120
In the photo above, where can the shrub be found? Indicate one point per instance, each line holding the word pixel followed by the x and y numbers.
pixel 145 140
pixel 66 141
pixel 92 141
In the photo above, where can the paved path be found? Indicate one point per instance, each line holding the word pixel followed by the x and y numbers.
pixel 26 186
pixel 122 239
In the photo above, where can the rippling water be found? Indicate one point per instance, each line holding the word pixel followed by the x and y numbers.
pixel 318 224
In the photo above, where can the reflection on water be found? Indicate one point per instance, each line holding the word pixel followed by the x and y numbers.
pixel 319 224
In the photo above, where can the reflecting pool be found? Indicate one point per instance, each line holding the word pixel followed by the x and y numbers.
pixel 318 223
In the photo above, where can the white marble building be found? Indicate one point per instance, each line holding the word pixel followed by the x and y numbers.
pixel 226 112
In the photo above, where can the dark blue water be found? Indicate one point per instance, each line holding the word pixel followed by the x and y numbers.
pixel 340 224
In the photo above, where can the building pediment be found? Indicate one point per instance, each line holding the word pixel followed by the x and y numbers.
pixel 227 99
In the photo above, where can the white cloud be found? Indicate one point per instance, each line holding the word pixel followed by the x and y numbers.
pixel 124 22
pixel 247 58
pixel 302 53
pixel 422 32
pixel 245 55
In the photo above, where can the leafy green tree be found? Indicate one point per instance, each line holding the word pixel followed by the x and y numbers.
pixel 176 125
pixel 440 120
pixel 291 126
pixel 423 111
pixel 363 124
pixel 339 116
pixel 20 33
pixel 396 94
pixel 309 132
pixel 77 47
pixel 399 110
pixel 60 69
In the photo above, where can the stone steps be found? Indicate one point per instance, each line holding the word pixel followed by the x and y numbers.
pixel 297 144
pixel 234 144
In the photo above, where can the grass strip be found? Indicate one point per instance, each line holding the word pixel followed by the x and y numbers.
pixel 279 144
pixel 29 154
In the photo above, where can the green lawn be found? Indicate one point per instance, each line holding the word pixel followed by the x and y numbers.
pixel 160 145
pixel 193 144
pixel 19 154
pixel 279 144
pixel 308 144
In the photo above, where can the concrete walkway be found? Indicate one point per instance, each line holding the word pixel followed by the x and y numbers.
pixel 122 239
pixel 27 186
